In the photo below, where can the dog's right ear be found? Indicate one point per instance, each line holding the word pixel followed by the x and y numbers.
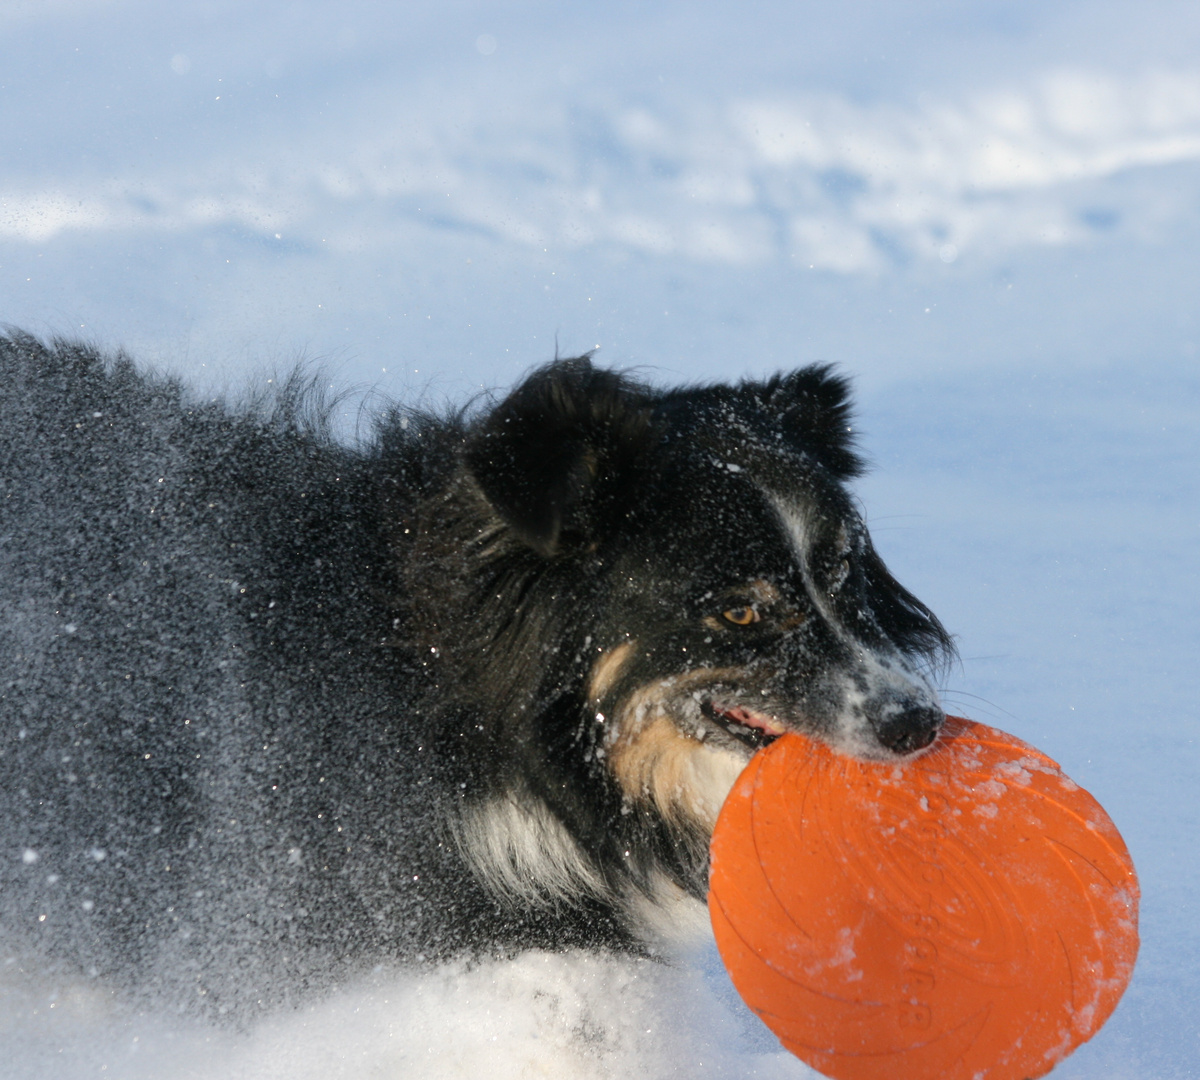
pixel 811 408
pixel 554 458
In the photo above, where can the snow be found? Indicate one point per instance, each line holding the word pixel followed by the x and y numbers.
pixel 988 213
pixel 572 1016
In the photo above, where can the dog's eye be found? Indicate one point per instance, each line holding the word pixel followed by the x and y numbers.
pixel 741 616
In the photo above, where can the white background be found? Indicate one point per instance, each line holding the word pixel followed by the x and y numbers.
pixel 989 213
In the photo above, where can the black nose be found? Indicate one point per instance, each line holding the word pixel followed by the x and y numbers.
pixel 911 729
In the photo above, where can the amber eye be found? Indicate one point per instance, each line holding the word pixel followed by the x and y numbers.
pixel 741 616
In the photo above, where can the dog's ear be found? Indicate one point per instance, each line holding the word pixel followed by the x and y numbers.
pixel 554 457
pixel 811 407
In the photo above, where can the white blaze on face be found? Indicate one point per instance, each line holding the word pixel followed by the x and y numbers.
pixel 800 535
pixel 878 682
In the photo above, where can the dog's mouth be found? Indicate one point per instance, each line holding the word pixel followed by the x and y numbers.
pixel 752 729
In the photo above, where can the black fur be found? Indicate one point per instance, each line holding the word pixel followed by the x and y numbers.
pixel 259 689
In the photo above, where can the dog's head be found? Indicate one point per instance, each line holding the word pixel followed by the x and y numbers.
pixel 673 579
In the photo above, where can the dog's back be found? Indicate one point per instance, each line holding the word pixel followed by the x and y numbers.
pixel 203 765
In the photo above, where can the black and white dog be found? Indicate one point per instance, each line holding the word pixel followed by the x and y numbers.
pixel 274 709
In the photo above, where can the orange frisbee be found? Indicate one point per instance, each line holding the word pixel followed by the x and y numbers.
pixel 970 914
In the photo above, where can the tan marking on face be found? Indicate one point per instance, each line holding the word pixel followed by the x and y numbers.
pixel 681 776
pixel 608 668
pixel 655 761
pixel 764 592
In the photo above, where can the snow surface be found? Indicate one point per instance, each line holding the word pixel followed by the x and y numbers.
pixel 988 212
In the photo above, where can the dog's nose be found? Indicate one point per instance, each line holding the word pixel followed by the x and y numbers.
pixel 911 729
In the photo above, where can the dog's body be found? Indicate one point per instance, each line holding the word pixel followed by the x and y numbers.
pixel 274 710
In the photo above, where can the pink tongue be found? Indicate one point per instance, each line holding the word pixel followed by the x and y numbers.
pixel 746 718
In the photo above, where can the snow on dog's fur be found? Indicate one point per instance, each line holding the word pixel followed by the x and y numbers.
pixel 275 711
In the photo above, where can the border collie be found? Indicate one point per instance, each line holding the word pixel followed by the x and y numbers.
pixel 275 710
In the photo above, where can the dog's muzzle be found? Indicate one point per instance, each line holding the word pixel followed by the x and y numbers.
pixel 909 730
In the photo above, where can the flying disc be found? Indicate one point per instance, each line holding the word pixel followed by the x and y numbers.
pixel 967 915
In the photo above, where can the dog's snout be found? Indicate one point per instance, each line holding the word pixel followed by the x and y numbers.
pixel 911 729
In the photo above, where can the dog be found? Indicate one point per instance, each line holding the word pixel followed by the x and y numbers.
pixel 276 709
